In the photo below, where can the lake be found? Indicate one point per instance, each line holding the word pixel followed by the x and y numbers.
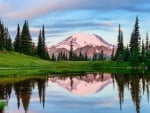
pixel 77 93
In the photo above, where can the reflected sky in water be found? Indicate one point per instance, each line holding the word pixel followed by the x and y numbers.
pixel 91 93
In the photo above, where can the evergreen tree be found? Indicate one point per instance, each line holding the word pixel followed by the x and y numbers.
pixel 17 42
pixel 120 47
pixel 39 45
pixel 85 56
pixel 53 57
pixel 26 41
pixel 126 54
pixel 80 56
pixel 94 56
pixel 1 35
pixel 7 40
pixel 9 44
pixel 71 55
pixel 102 55
pixel 142 52
pixel 135 44
pixel 6 37
pixel 113 52
pixel 41 48
pixel 43 44
pixel 33 49
pixel 60 56
pixel 147 46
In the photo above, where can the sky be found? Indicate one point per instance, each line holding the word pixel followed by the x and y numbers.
pixel 63 18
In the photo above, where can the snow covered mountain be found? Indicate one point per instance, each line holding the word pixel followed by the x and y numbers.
pixel 85 85
pixel 89 43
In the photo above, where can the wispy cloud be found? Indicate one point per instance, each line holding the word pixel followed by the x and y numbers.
pixel 64 17
pixel 21 9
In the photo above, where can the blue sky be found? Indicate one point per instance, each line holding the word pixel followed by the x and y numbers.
pixel 63 18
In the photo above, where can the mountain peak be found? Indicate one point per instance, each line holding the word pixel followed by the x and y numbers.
pixel 83 39
pixel 84 42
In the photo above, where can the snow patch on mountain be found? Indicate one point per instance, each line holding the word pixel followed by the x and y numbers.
pixel 83 39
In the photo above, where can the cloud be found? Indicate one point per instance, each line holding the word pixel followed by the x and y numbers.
pixel 28 9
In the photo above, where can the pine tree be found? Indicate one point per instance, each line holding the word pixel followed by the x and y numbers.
pixel 6 36
pixel 126 54
pixel 7 40
pixel 39 45
pixel 120 47
pixel 142 52
pixel 41 48
pixel 94 56
pixel 135 44
pixel 71 51
pixel 17 42
pixel 85 56
pixel 9 44
pixel 44 54
pixel 113 52
pixel 26 41
pixel 33 49
pixel 147 46
pixel 1 35
pixel 102 55
pixel 53 57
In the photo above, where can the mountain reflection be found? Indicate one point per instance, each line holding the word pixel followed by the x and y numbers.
pixel 83 85
pixel 89 84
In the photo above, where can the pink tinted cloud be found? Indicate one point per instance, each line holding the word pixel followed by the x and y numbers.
pixel 37 9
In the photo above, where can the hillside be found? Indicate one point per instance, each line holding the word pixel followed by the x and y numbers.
pixel 13 59
pixel 12 63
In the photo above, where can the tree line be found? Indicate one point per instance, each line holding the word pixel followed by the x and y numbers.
pixel 74 56
pixel 23 44
pixel 136 51
pixel 23 41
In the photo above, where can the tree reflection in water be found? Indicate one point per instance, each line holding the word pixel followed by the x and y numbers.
pixel 137 85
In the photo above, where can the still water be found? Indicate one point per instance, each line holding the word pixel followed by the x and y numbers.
pixel 88 93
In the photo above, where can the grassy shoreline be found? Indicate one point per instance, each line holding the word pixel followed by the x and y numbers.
pixel 12 63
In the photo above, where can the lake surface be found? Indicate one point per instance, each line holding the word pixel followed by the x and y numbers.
pixel 88 93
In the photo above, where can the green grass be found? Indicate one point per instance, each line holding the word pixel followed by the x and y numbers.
pixel 13 59
pixel 2 105
pixel 12 63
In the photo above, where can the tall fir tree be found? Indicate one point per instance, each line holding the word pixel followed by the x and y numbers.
pixel 7 40
pixel 147 45
pixel 71 55
pixel 41 47
pixel 17 42
pixel 9 48
pixel 135 44
pixel 53 58
pixel 45 52
pixel 6 37
pixel 26 41
pixel 85 56
pixel 126 54
pixel 120 47
pixel 142 57
pixel 102 55
pixel 113 52
pixel 1 35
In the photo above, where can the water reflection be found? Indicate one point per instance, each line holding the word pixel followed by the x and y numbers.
pixel 83 85
pixel 64 94
pixel 137 84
